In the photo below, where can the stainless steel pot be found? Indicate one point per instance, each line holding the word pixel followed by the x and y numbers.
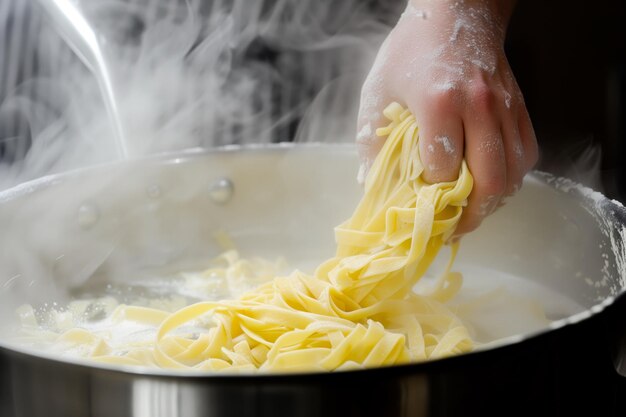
pixel 83 229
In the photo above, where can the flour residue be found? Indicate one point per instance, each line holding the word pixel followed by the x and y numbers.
pixel 518 150
pixel 507 99
pixel 412 11
pixel 488 205
pixel 491 144
pixel 365 133
pixel 609 216
pixel 444 86
pixel 446 142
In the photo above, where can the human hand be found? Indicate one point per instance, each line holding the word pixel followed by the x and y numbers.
pixel 445 61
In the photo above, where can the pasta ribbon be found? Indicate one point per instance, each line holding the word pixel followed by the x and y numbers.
pixel 357 310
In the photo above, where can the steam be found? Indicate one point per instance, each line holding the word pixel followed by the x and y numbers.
pixel 197 74
pixel 580 161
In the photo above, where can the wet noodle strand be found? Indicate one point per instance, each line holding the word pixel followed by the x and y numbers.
pixel 357 310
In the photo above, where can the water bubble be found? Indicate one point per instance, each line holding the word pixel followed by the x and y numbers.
pixel 88 215
pixel 221 191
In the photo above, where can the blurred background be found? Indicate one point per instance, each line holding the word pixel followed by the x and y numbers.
pixel 568 57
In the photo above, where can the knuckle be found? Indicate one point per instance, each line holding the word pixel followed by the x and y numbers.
pixel 493 187
pixel 482 97
pixel 441 101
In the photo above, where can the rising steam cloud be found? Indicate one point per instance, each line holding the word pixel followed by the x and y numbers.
pixel 199 74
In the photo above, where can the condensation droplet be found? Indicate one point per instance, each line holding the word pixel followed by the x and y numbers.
pixel 154 191
pixel 221 191
pixel 87 216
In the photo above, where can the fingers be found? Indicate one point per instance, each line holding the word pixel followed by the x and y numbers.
pixel 486 158
pixel 370 118
pixel 527 139
pixel 500 148
pixel 515 154
pixel 484 121
pixel 441 138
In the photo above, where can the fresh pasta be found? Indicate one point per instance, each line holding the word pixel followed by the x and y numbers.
pixel 357 310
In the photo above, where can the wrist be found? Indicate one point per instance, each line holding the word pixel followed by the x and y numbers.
pixel 491 17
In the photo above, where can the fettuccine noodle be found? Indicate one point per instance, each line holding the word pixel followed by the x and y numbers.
pixel 357 310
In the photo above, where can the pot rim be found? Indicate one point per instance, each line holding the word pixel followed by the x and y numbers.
pixel 177 157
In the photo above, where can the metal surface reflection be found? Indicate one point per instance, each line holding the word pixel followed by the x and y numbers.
pixel 38 388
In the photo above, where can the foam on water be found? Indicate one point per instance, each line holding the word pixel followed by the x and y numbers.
pixel 492 304
pixel 496 304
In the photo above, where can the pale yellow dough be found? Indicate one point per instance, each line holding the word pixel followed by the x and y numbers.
pixel 357 310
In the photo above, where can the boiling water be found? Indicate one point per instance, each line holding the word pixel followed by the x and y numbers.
pixel 492 304
pixel 495 304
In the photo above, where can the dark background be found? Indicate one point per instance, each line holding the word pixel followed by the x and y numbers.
pixel 569 60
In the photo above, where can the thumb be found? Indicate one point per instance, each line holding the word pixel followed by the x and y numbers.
pixel 373 102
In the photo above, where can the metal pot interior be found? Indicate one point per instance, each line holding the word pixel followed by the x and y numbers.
pixel 554 243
